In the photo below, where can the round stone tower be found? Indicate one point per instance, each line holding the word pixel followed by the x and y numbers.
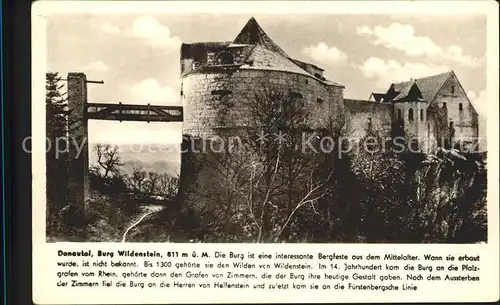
pixel 218 79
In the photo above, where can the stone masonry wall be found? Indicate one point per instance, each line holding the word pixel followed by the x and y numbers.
pixel 216 100
pixel 465 121
pixel 214 104
pixel 421 127
pixel 358 114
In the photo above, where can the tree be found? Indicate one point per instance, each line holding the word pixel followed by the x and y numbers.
pixel 168 185
pixel 151 183
pixel 137 179
pixel 108 161
pixel 262 188
pixel 380 177
pixel 56 133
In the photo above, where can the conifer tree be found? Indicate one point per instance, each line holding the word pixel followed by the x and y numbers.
pixel 56 143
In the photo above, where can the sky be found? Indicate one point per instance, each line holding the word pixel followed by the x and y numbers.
pixel 137 56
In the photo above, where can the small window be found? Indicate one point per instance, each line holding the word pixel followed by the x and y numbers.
pixel 444 105
pixel 421 114
pixel 320 101
pixel 452 89
pixel 225 58
pixel 410 114
pixel 399 114
pixel 460 107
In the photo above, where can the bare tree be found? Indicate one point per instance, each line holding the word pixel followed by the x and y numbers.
pixel 167 185
pixel 108 160
pixel 151 183
pixel 263 186
pixel 137 179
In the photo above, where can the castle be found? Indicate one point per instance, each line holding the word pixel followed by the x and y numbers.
pixel 217 77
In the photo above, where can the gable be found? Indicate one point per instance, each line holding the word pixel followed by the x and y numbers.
pixel 430 86
pixel 422 89
pixel 452 88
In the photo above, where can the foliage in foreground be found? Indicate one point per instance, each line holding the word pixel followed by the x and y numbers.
pixel 266 191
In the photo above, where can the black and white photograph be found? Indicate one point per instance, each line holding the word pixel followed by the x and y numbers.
pixel 266 128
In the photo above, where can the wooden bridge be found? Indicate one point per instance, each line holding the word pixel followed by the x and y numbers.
pixel 81 111
pixel 129 112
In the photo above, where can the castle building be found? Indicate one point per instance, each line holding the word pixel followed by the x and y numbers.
pixel 435 110
pixel 218 77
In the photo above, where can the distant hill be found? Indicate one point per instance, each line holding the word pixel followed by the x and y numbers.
pixel 157 167
pixel 159 158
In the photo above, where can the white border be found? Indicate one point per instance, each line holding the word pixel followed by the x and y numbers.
pixel 44 255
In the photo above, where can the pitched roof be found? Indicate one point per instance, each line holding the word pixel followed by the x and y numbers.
pixel 258 51
pixel 377 96
pixel 403 89
pixel 265 59
pixel 252 33
pixel 428 86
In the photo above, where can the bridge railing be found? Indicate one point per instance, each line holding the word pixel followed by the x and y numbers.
pixel 131 112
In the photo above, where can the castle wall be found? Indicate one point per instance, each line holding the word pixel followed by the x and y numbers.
pixel 421 127
pixel 465 119
pixel 215 104
pixel 358 114
pixel 217 100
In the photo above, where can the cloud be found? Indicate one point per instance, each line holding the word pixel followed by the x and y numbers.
pixel 110 28
pixel 479 101
pixel 114 132
pixel 150 91
pixel 363 30
pixel 146 91
pixel 94 66
pixel 155 33
pixel 385 72
pixel 403 37
pixel 322 53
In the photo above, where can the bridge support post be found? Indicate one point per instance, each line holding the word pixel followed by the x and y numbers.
pixel 78 167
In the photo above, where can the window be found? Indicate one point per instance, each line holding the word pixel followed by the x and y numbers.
pixel 225 58
pixel 421 114
pixel 452 89
pixel 444 105
pixel 320 101
pixel 410 114
pixel 399 114
pixel 460 107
